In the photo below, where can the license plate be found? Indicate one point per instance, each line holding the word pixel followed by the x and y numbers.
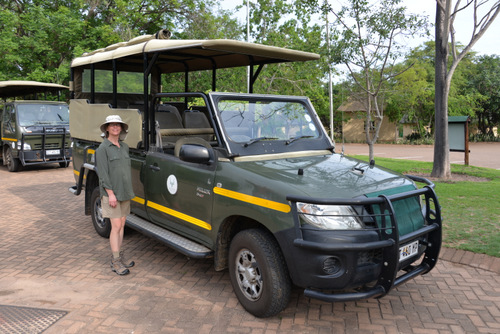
pixel 408 251
pixel 53 152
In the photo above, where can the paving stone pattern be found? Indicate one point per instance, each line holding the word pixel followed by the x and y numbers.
pixel 51 258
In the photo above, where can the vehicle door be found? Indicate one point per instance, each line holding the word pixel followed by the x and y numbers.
pixel 179 194
pixel 8 130
pixel 137 204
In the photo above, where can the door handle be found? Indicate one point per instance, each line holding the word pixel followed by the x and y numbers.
pixel 155 168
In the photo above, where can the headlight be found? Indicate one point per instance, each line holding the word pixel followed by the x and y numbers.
pixel 330 217
pixel 26 146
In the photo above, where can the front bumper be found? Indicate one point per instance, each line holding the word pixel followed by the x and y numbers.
pixel 53 147
pixel 40 156
pixel 357 264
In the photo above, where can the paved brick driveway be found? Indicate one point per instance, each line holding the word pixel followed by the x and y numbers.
pixel 51 258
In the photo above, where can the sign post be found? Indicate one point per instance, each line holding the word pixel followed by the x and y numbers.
pixel 458 135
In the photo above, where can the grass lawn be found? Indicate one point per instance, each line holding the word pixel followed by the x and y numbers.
pixel 470 209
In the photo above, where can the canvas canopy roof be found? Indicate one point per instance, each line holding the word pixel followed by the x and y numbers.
pixel 15 88
pixel 191 55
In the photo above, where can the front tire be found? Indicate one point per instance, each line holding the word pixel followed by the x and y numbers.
pixel 11 162
pixel 102 225
pixel 258 272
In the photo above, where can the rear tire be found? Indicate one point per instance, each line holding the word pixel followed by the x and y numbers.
pixel 102 225
pixel 11 162
pixel 258 273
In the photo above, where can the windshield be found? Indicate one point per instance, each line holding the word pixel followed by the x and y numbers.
pixel 42 114
pixel 248 121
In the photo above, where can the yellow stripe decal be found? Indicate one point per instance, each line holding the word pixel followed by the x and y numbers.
pixel 89 151
pixel 9 139
pixel 253 200
pixel 77 173
pixel 138 200
pixel 180 215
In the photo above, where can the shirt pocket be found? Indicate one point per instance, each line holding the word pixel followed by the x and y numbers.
pixel 126 158
pixel 114 161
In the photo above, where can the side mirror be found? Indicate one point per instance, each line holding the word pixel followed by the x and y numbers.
pixel 196 154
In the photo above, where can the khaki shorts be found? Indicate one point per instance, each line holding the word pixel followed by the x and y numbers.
pixel 122 208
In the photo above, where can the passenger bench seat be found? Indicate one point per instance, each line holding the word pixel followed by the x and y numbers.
pixel 194 119
pixel 168 117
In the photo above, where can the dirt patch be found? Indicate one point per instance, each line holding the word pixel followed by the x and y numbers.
pixel 455 177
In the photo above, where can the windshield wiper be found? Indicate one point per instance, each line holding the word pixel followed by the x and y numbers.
pixel 254 140
pixel 291 140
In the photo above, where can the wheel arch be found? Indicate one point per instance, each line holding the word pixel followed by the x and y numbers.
pixel 227 230
pixel 3 152
pixel 92 181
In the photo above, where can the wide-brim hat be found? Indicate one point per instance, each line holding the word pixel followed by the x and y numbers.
pixel 114 119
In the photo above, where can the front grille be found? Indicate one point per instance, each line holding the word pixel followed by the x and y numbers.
pixel 50 146
pixel 370 257
pixel 407 211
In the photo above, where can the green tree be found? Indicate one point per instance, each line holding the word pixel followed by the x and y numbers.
pixel 411 94
pixel 209 22
pixel 367 41
pixel 38 39
pixel 486 81
pixel 411 97
pixel 446 46
pixel 289 24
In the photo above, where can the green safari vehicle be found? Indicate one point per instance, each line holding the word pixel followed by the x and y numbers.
pixel 250 180
pixel 33 132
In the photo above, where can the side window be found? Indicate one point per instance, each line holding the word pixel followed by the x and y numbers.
pixel 127 82
pixel 5 115
pixel 9 114
pixel 9 119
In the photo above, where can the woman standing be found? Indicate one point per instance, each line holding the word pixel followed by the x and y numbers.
pixel 115 185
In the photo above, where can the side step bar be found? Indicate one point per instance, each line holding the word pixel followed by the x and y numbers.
pixel 179 243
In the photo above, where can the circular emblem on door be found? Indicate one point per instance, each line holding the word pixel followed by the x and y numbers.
pixel 172 184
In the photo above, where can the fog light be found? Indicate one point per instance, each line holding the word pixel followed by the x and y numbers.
pixel 332 265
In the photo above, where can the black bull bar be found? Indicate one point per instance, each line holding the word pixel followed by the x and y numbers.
pixel 389 242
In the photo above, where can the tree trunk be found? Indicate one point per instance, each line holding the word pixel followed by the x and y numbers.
pixel 441 166
pixel 372 133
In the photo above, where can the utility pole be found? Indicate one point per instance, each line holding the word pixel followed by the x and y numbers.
pixel 248 40
pixel 330 86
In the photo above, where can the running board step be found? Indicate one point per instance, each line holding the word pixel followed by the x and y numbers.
pixel 179 243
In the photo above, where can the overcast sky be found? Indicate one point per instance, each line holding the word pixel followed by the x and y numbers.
pixel 489 43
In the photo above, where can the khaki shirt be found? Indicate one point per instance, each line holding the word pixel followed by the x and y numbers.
pixel 113 168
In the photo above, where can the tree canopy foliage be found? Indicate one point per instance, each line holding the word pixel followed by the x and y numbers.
pixel 411 94
pixel 485 80
pixel 38 39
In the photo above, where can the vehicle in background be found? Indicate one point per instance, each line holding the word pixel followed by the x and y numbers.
pixel 250 180
pixel 33 132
